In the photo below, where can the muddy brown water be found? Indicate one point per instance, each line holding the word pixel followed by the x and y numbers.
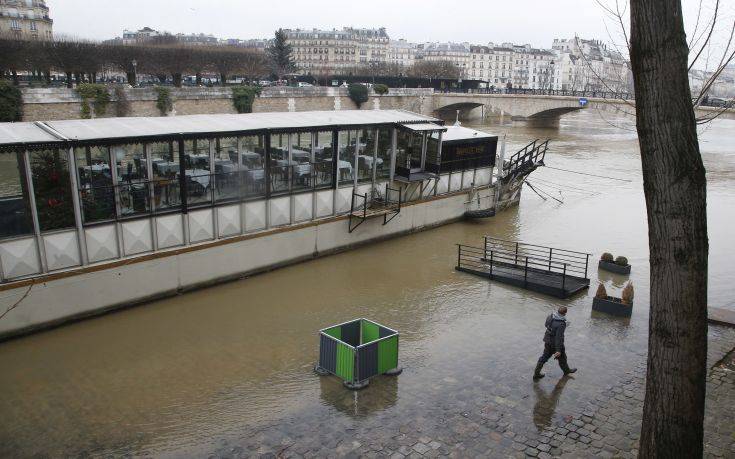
pixel 181 375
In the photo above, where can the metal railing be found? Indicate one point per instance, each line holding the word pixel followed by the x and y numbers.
pixel 384 206
pixel 619 95
pixel 518 264
pixel 532 153
pixel 543 257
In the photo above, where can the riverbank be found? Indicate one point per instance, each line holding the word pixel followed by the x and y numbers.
pixel 228 370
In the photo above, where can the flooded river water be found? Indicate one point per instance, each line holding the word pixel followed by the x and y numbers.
pixel 232 364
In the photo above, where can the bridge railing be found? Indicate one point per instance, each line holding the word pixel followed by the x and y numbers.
pixel 542 92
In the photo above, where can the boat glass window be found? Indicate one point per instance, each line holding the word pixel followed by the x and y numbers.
pixel 15 205
pixel 226 169
pixel 346 159
pixel 132 178
pixel 52 189
pixel 166 170
pixel 94 177
pixel 323 159
pixel 198 178
pixel 366 153
pixel 385 144
pixel 252 166
pixel 301 160
pixel 279 167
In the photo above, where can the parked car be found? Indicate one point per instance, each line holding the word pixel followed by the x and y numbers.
pixel 264 83
pixel 303 84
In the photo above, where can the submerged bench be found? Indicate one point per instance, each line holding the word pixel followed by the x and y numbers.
pixel 356 351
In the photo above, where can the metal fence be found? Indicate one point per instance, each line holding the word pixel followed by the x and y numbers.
pixel 357 350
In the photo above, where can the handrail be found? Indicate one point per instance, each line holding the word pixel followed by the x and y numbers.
pixel 477 257
pixel 577 261
pixel 535 245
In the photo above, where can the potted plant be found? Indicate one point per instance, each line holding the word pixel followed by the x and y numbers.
pixel 618 265
pixel 622 307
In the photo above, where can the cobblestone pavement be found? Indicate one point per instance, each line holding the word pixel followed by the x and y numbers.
pixel 478 418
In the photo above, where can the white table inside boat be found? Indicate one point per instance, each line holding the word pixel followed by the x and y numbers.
pixel 369 160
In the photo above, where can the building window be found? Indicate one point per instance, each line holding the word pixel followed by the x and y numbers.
pixel 14 198
pixel 52 189
pixel 33 26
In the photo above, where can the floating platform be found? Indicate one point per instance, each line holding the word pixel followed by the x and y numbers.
pixel 547 270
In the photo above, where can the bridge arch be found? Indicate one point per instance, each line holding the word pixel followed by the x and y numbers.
pixel 554 113
pixel 448 111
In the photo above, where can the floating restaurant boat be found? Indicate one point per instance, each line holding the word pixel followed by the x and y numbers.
pixel 103 213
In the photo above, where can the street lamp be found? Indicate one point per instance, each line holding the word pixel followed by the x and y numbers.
pixel 135 72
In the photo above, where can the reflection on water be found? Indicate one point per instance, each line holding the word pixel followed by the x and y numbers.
pixel 546 402
pixel 384 394
pixel 235 361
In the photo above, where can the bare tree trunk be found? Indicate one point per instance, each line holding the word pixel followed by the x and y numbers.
pixel 675 189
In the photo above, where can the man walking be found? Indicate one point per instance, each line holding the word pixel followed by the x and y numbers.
pixel 556 324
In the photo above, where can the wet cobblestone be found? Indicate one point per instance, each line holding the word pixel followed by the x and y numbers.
pixel 490 419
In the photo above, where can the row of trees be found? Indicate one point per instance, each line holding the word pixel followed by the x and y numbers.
pixel 82 61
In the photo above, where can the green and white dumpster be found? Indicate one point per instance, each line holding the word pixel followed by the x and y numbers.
pixel 357 350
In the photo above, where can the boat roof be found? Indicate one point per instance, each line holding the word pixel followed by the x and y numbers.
pixel 458 133
pixel 111 129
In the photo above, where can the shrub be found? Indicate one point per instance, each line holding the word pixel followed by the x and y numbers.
pixel 243 98
pixel 601 291
pixel 358 93
pixel 164 103
pixel 607 256
pixel 122 107
pixel 622 261
pixel 11 102
pixel 380 89
pixel 628 294
pixel 99 96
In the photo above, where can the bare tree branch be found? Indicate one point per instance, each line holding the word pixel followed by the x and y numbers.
pixel 709 35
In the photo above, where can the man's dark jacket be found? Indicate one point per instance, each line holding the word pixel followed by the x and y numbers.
pixel 556 324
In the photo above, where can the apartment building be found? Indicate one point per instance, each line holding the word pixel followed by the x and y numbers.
pixel 25 20
pixel 325 52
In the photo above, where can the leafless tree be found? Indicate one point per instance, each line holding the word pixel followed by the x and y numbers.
pixel 434 69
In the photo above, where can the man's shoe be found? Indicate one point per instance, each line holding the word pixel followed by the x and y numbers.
pixel 537 372
pixel 570 371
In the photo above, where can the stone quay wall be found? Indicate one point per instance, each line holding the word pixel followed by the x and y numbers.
pixel 43 104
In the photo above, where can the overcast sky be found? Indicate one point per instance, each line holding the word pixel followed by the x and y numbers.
pixel 536 22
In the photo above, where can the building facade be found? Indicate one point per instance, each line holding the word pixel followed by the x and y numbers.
pixel 402 53
pixel 325 52
pixel 25 19
pixel 458 54
pixel 589 65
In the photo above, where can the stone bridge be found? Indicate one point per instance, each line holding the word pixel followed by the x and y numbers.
pixel 42 104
